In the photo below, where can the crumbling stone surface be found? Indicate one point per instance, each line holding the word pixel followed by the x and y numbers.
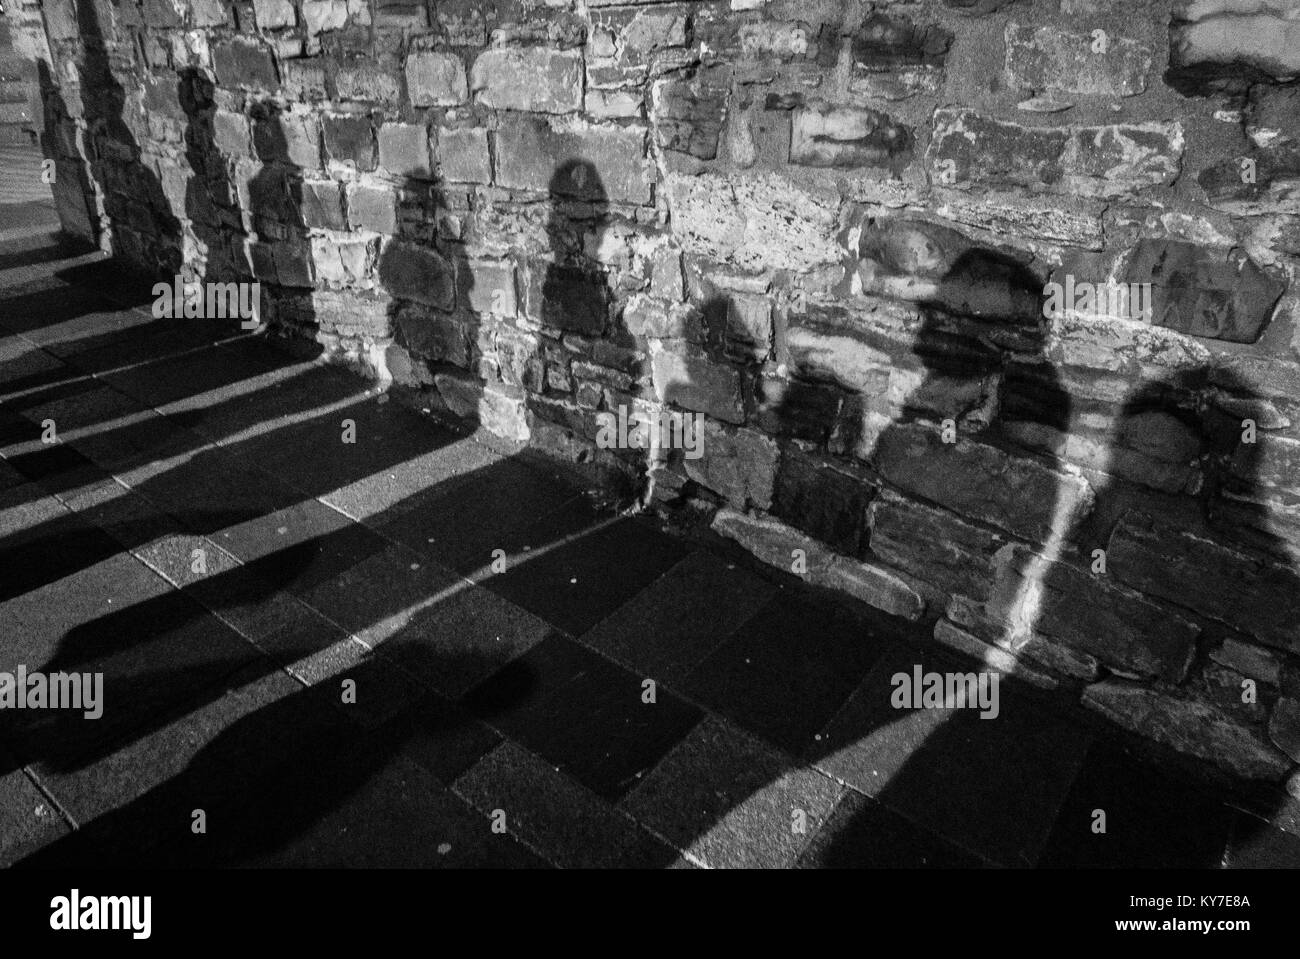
pixel 1114 160
pixel 832 233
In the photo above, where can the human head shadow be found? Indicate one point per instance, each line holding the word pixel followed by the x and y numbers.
pixel 574 293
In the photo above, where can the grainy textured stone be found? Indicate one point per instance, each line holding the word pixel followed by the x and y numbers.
pixel 1087 612
pixel 940 547
pixel 873 585
pixel 1102 161
pixel 695 383
pixel 463 155
pixel 1048 58
pixel 243 62
pixel 534 213
pixel 1020 496
pixel 435 79
pixel 528 78
pixel 573 158
pixel 847 136
pixel 758 222
pixel 1219 294
pixel 739 464
pixel 1257 596
pixel 773 542
pixel 1188 727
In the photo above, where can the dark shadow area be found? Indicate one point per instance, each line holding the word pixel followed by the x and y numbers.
pixel 132 195
pixel 944 787
pixel 932 773
pixel 575 296
pixel 167 659
pixel 465 654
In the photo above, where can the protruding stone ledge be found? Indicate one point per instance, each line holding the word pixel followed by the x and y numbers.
pixel 1189 727
pixel 776 544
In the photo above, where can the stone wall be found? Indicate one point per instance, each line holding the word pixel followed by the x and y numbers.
pixel 828 226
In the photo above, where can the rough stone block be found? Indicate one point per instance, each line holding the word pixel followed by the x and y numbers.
pixel 161 15
pixel 339 263
pixel 368 81
pixel 531 79
pixel 322 205
pixel 241 62
pixel 435 79
pixel 1213 40
pixel 740 464
pixel 1271 461
pixel 231 134
pixel 1090 613
pixel 488 286
pixel 823 501
pixel 831 136
pixel 698 383
pixel 274 14
pixel 499 411
pixel 372 208
pixel 838 357
pixel 688 114
pixel 303 79
pixel 1046 58
pixel 1258 597
pixel 1101 161
pixel 1189 727
pixel 432 335
pixel 989 656
pixel 293 263
pixel 350 139
pixel 322 15
pixel 1019 495
pixel 756 221
pixel 1260 664
pixel 535 153
pixel 874 585
pixel 1049 654
pixel 889 40
pixel 404 150
pixel 933 545
pixel 773 542
pixel 1202 291
pixel 463 155
pixel 289 138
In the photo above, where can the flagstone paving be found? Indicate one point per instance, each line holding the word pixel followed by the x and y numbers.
pixel 308 652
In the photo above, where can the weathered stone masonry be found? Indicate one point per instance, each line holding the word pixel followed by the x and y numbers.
pixel 827 225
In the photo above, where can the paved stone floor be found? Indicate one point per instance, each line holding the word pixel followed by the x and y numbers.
pixel 201 534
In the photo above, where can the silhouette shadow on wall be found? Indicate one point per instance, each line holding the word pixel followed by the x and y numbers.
pixel 293 769
pixel 131 192
pixel 165 658
pixel 1019 789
